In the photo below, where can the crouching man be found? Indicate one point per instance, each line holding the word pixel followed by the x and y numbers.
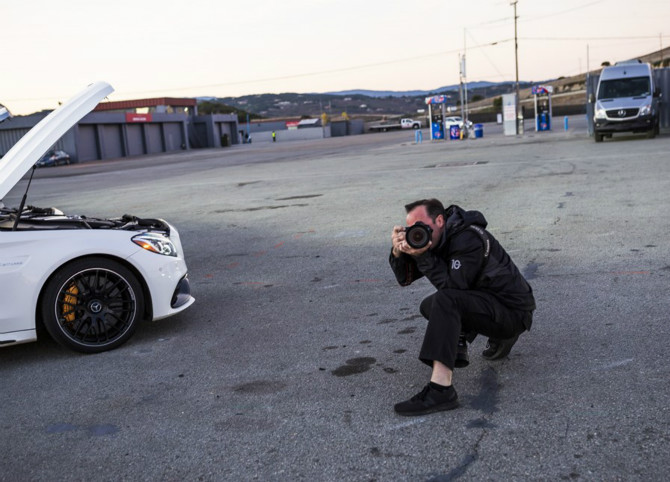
pixel 479 291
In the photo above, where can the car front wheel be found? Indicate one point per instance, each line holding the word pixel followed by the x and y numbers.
pixel 92 305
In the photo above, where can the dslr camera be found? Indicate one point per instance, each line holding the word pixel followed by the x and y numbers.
pixel 418 235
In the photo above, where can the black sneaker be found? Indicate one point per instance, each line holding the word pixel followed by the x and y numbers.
pixel 497 349
pixel 462 358
pixel 428 400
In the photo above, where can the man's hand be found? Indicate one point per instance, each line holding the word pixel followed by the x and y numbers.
pixel 400 245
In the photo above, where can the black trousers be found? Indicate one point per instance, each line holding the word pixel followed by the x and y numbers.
pixel 450 312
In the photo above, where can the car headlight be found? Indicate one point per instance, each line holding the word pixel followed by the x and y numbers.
pixel 601 114
pixel 645 109
pixel 156 243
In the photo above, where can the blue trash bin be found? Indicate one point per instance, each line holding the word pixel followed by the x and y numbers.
pixel 479 130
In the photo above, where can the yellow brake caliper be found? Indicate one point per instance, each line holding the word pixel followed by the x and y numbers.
pixel 69 302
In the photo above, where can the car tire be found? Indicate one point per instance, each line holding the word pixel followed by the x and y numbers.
pixel 92 305
pixel 598 137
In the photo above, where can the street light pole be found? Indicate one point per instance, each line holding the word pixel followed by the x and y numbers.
pixel 516 61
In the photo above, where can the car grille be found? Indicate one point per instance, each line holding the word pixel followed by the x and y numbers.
pixel 621 113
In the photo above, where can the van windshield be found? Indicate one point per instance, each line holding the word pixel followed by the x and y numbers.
pixel 628 87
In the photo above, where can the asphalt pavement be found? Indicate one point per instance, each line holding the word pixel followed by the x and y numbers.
pixel 300 341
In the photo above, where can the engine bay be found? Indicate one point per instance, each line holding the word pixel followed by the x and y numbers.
pixel 36 218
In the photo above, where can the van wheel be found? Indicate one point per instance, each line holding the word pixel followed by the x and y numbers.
pixel 598 137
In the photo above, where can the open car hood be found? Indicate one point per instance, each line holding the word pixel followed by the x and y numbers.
pixel 25 153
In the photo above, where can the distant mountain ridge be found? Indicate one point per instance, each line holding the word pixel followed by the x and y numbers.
pixel 415 93
pixel 356 102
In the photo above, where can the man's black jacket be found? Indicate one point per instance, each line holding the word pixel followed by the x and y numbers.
pixel 461 261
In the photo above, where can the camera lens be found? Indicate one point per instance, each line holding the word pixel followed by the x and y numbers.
pixel 418 236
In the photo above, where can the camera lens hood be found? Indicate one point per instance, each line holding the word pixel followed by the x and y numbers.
pixel 418 235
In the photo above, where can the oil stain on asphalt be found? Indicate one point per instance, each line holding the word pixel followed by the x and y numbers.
pixel 354 366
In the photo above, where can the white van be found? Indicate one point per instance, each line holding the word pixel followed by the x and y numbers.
pixel 626 100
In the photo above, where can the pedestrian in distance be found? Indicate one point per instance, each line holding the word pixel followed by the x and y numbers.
pixel 479 290
pixel 274 136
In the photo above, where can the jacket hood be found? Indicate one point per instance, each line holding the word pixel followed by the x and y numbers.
pixel 458 219
pixel 25 153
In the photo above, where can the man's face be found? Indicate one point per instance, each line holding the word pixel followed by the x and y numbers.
pixel 420 213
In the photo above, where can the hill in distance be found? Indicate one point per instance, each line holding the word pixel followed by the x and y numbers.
pixel 358 102
pixel 415 93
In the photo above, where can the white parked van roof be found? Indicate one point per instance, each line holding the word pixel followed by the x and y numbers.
pixel 626 70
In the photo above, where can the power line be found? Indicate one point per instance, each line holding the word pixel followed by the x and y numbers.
pixel 556 14
pixel 486 55
pixel 582 39
pixel 286 77
pixel 322 72
pixel 532 19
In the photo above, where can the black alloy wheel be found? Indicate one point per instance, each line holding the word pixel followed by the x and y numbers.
pixel 92 305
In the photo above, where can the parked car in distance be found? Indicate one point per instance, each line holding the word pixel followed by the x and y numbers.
pixel 458 120
pixel 54 158
pixel 403 124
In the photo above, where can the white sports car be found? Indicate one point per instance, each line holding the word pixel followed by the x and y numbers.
pixel 89 281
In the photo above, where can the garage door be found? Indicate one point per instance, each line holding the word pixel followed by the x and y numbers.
pixel 87 143
pixel 135 140
pixel 154 138
pixel 113 141
pixel 173 136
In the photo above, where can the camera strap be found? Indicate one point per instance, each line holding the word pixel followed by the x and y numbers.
pixel 486 242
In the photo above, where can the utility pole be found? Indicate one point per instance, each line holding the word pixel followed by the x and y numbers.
pixel 516 61
pixel 465 87
pixel 461 61
pixel 660 38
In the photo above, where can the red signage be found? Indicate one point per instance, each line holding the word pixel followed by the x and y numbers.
pixel 131 117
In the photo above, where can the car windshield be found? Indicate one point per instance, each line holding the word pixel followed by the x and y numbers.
pixel 629 87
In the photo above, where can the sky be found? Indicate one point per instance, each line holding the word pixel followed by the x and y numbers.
pixel 51 49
